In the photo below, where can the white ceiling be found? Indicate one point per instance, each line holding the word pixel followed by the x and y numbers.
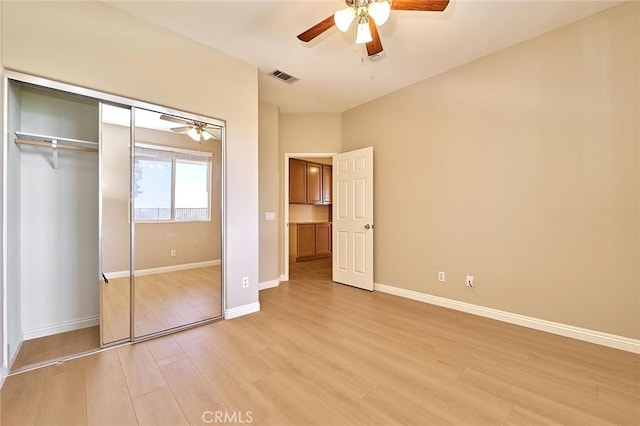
pixel 335 76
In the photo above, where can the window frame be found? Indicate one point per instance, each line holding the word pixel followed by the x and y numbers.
pixel 175 155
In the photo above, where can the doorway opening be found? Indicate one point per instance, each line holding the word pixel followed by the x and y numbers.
pixel 308 216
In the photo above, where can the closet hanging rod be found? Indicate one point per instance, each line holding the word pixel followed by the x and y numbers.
pixel 59 146
pixel 48 138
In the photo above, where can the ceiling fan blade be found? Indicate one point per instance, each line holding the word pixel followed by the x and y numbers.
pixel 375 46
pixel 422 5
pixel 174 119
pixel 180 129
pixel 316 30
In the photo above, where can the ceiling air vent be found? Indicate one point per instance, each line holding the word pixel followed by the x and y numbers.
pixel 281 75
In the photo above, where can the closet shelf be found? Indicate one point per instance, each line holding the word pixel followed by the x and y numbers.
pixel 46 138
pixel 55 143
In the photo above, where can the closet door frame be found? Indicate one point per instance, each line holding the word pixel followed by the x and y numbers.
pixel 101 97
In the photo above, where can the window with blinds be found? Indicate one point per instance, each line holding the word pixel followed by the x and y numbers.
pixel 171 185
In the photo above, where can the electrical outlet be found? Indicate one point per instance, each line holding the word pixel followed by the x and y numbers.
pixel 245 282
pixel 441 276
pixel 469 281
pixel 173 253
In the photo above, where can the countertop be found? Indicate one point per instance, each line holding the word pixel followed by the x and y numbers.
pixel 308 222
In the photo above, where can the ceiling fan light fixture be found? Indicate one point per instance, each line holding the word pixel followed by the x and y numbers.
pixel 344 17
pixel 363 33
pixel 194 134
pixel 379 11
pixel 206 135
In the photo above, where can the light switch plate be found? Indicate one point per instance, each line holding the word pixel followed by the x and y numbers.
pixel 270 216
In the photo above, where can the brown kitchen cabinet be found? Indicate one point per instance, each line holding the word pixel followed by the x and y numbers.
pixel 297 181
pixel 327 183
pixel 309 183
pixel 323 239
pixel 306 240
pixel 312 241
pixel 314 183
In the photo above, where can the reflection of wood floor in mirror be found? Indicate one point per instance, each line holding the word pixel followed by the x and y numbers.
pixel 163 301
pixel 57 345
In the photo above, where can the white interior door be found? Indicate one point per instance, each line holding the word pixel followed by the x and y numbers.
pixel 353 218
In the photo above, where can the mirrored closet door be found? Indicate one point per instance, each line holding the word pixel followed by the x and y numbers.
pixel 177 209
pixel 115 178
pixel 113 220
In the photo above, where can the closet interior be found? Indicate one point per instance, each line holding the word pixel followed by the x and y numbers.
pixel 112 220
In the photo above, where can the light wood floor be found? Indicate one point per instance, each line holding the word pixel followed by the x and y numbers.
pixel 163 301
pixel 323 353
pixel 56 346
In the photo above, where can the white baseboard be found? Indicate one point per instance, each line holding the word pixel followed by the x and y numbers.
pixel 270 284
pixel 12 358
pixel 61 327
pixel 163 269
pixel 4 371
pixel 241 310
pixel 584 334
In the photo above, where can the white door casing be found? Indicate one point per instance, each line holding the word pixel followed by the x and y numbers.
pixel 353 218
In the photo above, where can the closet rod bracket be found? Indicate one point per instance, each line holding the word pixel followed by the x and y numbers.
pixel 54 157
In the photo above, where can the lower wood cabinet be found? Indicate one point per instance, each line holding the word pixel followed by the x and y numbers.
pixel 306 241
pixel 311 241
pixel 323 239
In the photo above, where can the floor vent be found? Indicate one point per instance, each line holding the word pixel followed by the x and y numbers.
pixel 281 75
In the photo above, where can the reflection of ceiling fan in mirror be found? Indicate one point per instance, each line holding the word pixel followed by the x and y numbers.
pixel 197 130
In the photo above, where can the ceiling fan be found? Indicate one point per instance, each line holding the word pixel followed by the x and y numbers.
pixel 197 130
pixel 369 14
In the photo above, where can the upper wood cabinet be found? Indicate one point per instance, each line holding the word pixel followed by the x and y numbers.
pixel 314 183
pixel 326 184
pixel 309 183
pixel 297 181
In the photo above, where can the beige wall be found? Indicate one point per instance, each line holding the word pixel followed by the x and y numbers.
pixel 270 254
pixel 321 160
pixel 306 133
pixel 192 241
pixel 316 133
pixel 280 134
pixel 308 213
pixel 521 169
pixel 94 45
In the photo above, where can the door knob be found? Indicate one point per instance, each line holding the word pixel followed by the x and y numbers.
pixel 367 226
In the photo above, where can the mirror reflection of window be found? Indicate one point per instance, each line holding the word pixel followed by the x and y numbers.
pixel 176 211
pixel 170 187
pixel 192 191
pixel 153 187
